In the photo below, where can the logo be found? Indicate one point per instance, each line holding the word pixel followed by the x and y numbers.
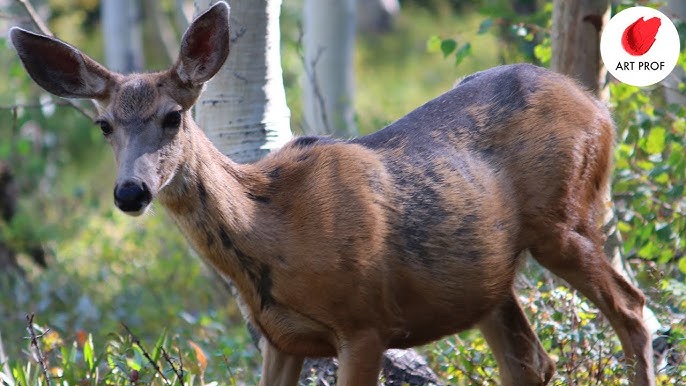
pixel 640 46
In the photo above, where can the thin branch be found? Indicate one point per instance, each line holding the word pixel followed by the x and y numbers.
pixel 312 75
pixel 228 366
pixel 137 342
pixel 34 344
pixel 178 350
pixel 55 102
pixel 35 18
pixel 179 373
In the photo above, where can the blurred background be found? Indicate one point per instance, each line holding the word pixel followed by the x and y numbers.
pixel 83 268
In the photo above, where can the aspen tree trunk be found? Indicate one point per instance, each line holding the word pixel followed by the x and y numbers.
pixel 122 34
pixel 328 87
pixel 243 111
pixel 376 16
pixel 243 108
pixel 575 43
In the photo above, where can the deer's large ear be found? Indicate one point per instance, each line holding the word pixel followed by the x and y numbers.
pixel 204 46
pixel 60 68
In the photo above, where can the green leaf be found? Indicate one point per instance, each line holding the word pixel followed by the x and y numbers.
pixel 20 375
pixel 448 46
pixel 649 251
pixel 462 53
pixel 682 265
pixel 656 140
pixel 88 355
pixel 23 147
pixel 485 26
pixel 543 53
pixel 623 226
pixel 433 44
pixel 157 351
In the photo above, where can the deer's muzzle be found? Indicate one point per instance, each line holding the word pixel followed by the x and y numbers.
pixel 132 196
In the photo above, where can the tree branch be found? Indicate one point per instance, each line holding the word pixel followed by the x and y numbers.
pixel 137 342
pixel 43 28
pixel 36 347
pixel 35 18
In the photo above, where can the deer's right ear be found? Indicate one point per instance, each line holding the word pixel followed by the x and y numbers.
pixel 60 68
pixel 204 47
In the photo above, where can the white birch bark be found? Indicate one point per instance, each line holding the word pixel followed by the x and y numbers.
pixel 376 16
pixel 243 108
pixel 123 36
pixel 328 86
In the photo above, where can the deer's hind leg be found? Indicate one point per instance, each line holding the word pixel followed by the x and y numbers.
pixel 520 356
pixel 578 258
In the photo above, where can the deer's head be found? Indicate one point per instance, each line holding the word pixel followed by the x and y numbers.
pixel 143 116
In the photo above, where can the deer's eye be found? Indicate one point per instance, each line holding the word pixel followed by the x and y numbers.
pixel 172 120
pixel 104 126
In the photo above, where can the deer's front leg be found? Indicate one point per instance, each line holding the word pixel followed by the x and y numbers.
pixel 278 368
pixel 359 359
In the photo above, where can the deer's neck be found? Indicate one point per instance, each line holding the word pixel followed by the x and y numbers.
pixel 217 204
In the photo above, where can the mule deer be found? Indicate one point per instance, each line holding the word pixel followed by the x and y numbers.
pixel 394 239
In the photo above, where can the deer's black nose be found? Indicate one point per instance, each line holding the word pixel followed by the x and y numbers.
pixel 132 195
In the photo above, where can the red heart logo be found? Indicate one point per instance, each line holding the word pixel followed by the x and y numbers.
pixel 639 37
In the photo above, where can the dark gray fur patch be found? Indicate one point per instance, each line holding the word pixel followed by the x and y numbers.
pixel 202 192
pixel 466 235
pixel 226 240
pixel 308 140
pixel 262 199
pixel 264 286
pixel 259 276
pixel 422 210
pixel 274 173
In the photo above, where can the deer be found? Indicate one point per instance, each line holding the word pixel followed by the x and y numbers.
pixel 350 247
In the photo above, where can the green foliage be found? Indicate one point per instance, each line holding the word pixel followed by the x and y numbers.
pixel 650 174
pixel 572 331
pixel 124 360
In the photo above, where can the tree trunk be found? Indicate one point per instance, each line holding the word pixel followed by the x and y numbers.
pixel 328 45
pixel 243 110
pixel 123 37
pixel 376 16
pixel 575 43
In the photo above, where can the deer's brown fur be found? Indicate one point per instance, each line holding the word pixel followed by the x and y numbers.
pixel 395 239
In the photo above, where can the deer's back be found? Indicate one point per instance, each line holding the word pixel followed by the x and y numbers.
pixel 546 141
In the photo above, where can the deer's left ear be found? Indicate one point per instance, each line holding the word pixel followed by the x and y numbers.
pixel 60 68
pixel 205 46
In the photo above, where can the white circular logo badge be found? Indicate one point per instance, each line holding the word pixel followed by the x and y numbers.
pixel 640 46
